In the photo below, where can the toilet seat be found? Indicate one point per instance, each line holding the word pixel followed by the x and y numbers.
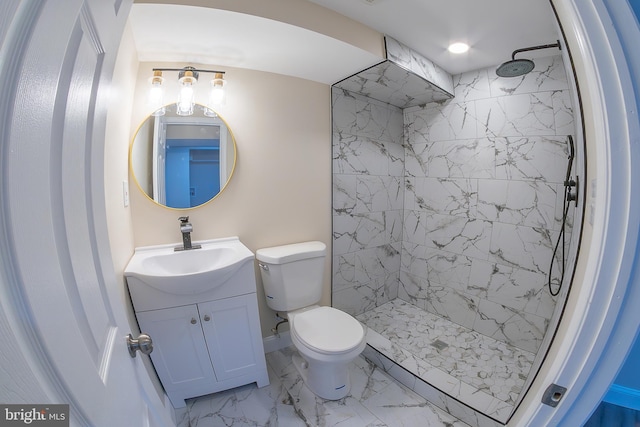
pixel 327 330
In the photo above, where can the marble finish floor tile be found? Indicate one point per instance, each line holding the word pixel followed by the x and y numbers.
pixel 486 365
pixel 375 400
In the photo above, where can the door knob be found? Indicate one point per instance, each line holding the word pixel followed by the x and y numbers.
pixel 144 343
pixel 207 317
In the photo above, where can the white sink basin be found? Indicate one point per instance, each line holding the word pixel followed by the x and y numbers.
pixel 188 272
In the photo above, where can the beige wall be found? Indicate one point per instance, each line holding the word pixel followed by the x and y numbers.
pixel 116 154
pixel 281 188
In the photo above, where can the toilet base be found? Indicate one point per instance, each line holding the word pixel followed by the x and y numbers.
pixel 327 380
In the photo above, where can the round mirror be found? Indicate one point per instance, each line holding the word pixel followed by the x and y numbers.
pixel 182 161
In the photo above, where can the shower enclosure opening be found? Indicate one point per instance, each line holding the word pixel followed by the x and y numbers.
pixel 445 220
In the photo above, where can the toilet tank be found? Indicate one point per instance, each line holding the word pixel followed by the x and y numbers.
pixel 292 274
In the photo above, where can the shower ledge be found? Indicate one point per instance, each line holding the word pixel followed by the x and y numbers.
pixel 405 79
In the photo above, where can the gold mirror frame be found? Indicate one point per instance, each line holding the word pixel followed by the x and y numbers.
pixel 148 170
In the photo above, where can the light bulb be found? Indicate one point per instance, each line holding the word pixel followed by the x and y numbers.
pixel 216 96
pixel 187 79
pixel 155 99
pixel 458 47
pixel 185 103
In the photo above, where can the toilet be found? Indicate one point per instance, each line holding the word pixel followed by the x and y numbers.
pixel 326 338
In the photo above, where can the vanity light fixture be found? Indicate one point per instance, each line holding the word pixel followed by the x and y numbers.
pixel 187 80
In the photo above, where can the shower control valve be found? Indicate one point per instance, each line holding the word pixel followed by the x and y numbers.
pixel 572 196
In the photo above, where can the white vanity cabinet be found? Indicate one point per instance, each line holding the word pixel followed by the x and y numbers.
pixel 203 342
pixel 206 347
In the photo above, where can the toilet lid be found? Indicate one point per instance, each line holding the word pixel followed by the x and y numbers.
pixel 327 329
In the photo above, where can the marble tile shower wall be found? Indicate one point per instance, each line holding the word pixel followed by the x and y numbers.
pixel 368 198
pixel 454 206
pixel 483 201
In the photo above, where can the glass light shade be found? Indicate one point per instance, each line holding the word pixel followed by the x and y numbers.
pixel 208 112
pixel 155 99
pixel 186 101
pixel 217 94
pixel 187 78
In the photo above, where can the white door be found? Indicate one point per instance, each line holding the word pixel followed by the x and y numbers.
pixel 59 57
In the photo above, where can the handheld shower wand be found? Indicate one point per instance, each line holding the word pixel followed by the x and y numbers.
pixel 569 196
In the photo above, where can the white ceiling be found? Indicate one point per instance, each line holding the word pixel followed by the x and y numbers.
pixel 188 34
pixel 493 29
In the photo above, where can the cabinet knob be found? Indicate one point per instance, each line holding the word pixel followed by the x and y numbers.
pixel 193 321
pixel 207 317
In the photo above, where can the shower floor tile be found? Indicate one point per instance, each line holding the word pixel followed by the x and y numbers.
pixel 483 373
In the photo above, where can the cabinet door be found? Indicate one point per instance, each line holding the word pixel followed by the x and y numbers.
pixel 179 350
pixel 233 335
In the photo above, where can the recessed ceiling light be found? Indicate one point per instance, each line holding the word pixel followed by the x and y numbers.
pixel 458 47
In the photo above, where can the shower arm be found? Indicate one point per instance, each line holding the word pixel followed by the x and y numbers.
pixel 526 49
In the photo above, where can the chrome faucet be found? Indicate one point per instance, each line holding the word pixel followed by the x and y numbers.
pixel 186 228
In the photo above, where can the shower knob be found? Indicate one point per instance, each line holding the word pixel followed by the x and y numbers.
pixel 572 196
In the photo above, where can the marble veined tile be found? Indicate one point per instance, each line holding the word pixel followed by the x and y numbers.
pixel 375 399
pixel 344 193
pixel 367 230
pixel 355 299
pixel 358 115
pixel 472 85
pixel 454 305
pixel 474 369
pixel 414 227
pixel 417 159
pixel 243 406
pixel 394 84
pixel 344 271
pixel 439 267
pixel 563 113
pixel 539 158
pixel 524 247
pixel 378 193
pixel 378 120
pixel 444 122
pixel 450 196
pixel 467 158
pixel 359 155
pixel 343 111
pixel 515 327
pixel 424 67
pixel 460 235
pixel 377 262
pixel 516 115
pixel 511 287
pixel 530 203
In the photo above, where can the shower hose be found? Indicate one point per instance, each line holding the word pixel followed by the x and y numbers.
pixel 568 197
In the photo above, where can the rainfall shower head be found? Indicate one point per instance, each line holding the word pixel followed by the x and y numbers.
pixel 520 67
pixel 515 68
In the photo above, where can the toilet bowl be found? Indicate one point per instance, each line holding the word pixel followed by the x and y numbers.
pixel 326 339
